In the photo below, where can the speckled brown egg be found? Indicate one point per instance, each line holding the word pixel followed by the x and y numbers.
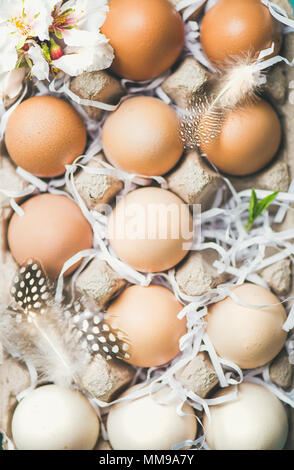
pixel 147 37
pixel 233 29
pixel 44 134
pixel 142 136
pixel 248 140
pixel 51 231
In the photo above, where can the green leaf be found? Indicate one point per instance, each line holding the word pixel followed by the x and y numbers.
pixel 253 204
pixel 257 208
pixel 46 52
pixel 266 202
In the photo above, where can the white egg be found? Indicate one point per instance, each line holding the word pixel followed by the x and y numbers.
pixel 255 420
pixel 55 418
pixel 147 424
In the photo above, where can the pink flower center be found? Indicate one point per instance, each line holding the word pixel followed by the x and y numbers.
pixel 63 20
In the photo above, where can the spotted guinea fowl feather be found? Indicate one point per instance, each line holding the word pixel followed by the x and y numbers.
pixel 48 336
pixel 30 289
pixel 101 339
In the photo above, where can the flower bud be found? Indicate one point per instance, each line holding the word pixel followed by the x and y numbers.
pixel 56 50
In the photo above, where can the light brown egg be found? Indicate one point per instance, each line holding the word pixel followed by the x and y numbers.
pixel 143 137
pixel 255 420
pixel 151 229
pixel 234 29
pixel 51 231
pixel 147 37
pixel 248 140
pixel 44 134
pixel 147 317
pixel 250 337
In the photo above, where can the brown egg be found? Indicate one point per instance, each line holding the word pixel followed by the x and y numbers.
pixel 44 134
pixel 250 337
pixel 234 29
pixel 147 37
pixel 147 317
pixel 248 140
pixel 151 229
pixel 51 231
pixel 143 137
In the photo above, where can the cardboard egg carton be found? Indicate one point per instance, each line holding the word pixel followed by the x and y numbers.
pixel 281 371
pixel 98 283
pixel 98 189
pixel 281 374
pixel 97 86
pixel 198 376
pixel 187 80
pixel 197 275
pixel 194 182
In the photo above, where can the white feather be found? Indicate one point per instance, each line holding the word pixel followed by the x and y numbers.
pixel 203 120
pixel 49 342
pixel 238 83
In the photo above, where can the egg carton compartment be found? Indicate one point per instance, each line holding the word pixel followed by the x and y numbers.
pixel 100 280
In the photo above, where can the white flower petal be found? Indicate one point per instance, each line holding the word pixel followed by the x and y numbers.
pixel 91 14
pixel 38 15
pixel 85 59
pixel 11 83
pixel 8 54
pixel 9 8
pixel 79 38
pixel 40 67
pixel 41 23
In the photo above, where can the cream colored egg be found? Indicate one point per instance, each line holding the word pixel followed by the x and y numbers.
pixel 255 420
pixel 146 424
pixel 55 418
pixel 250 337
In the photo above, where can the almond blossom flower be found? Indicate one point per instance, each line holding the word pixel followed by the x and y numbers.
pixel 21 20
pixel 77 23
pixel 53 35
